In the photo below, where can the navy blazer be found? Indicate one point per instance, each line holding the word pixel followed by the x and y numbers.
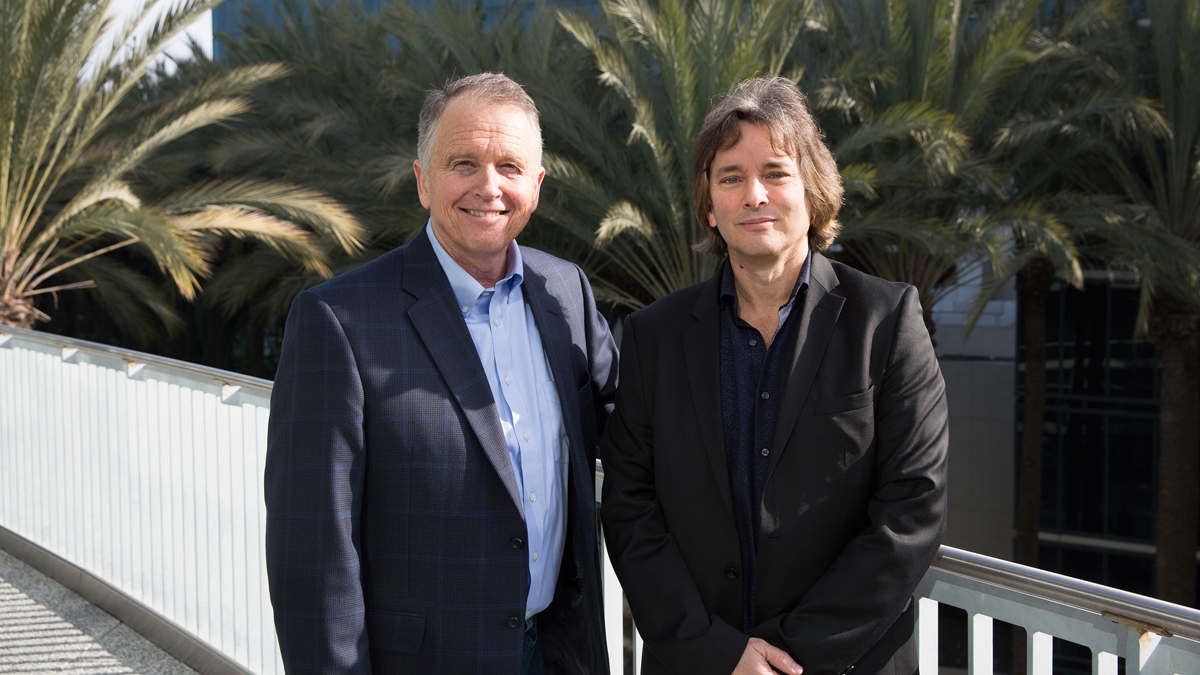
pixel 854 506
pixel 395 535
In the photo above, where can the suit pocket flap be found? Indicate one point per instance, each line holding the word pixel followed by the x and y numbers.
pixel 395 631
pixel 829 406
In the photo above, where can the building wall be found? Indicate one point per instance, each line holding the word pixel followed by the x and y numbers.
pixel 980 374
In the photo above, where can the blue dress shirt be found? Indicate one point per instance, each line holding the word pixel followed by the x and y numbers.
pixel 518 372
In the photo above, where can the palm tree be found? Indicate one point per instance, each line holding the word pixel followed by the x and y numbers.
pixel 1152 230
pixel 1165 175
pixel 72 140
pixel 663 67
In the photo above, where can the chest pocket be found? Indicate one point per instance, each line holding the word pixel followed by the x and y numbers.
pixel 847 423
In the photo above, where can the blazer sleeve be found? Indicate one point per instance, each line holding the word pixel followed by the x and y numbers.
pixel 670 611
pixel 858 598
pixel 314 484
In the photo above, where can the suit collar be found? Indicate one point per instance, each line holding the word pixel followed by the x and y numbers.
pixel 438 321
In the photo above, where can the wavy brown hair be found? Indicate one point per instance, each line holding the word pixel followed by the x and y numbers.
pixel 777 104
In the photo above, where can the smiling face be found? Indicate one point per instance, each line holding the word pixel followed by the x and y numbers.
pixel 758 200
pixel 482 182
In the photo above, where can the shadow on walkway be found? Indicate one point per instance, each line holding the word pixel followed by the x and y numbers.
pixel 45 628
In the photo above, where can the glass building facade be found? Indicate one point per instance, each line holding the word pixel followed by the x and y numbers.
pixel 227 15
pixel 1100 439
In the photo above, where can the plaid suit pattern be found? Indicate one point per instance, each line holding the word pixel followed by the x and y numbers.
pixel 391 500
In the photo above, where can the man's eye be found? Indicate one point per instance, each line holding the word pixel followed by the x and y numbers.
pixel 728 180
pixel 777 175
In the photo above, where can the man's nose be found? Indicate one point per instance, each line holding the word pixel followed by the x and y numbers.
pixel 756 193
pixel 489 183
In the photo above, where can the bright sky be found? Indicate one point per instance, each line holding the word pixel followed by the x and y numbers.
pixel 201 30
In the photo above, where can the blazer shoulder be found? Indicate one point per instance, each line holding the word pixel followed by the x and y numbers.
pixel 856 284
pixel 358 294
pixel 544 263
pixel 675 307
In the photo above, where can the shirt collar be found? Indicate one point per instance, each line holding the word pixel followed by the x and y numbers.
pixel 729 293
pixel 466 288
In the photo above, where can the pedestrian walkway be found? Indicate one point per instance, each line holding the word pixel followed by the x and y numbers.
pixel 45 628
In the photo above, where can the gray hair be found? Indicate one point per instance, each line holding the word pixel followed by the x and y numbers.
pixel 484 88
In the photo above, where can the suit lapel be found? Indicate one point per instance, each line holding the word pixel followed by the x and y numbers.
pixel 702 356
pixel 818 315
pixel 440 325
pixel 556 341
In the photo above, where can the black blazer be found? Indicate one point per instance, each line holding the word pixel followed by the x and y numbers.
pixel 854 505
pixel 394 531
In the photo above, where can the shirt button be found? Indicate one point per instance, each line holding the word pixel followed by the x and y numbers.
pixel 765 452
pixel 533 496
pixel 535 556
pixel 753 342
pixel 507 379
pixel 765 395
pixel 526 435
pixel 496 321
pixel 465 309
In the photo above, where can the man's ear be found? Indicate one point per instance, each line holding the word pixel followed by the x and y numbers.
pixel 422 188
pixel 537 191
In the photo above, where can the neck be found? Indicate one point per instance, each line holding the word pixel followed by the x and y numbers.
pixel 765 285
pixel 487 272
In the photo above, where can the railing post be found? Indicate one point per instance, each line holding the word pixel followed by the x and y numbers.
pixel 1140 648
pixel 638 645
pixel 979 645
pixel 614 613
pixel 1104 663
pixel 927 636
pixel 1039 653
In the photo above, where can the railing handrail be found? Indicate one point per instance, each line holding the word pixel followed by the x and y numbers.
pixel 1161 616
pixel 131 356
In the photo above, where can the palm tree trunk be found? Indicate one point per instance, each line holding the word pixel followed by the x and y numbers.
pixel 1173 329
pixel 1033 282
pixel 17 312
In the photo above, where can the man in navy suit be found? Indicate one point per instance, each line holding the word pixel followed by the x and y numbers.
pixel 430 470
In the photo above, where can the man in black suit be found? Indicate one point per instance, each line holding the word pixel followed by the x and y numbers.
pixel 431 452
pixel 775 468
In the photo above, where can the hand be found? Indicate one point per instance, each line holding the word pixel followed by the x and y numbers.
pixel 761 655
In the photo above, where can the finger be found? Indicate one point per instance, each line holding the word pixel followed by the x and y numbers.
pixel 781 660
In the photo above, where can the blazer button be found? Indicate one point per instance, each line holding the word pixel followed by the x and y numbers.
pixel 731 573
pixel 517 543
pixel 513 622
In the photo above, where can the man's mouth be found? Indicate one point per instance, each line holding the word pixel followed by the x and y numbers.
pixel 484 214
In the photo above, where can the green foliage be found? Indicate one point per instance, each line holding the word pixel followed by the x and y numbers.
pixel 73 137
pixel 666 64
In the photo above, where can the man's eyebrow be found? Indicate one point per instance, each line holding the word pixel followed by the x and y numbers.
pixel 728 168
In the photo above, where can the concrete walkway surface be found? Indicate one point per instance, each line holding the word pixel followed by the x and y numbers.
pixel 45 628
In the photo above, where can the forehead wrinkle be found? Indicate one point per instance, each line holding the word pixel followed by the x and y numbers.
pixel 476 140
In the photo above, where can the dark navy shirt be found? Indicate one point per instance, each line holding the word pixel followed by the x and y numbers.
pixel 752 381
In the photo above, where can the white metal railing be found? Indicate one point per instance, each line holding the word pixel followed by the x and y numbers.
pixel 147 473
